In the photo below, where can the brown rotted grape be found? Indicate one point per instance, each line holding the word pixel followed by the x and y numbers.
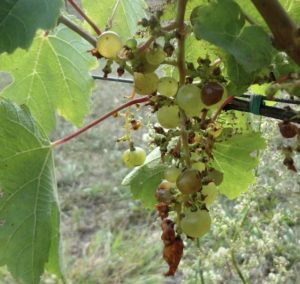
pixel 287 129
pixel 212 93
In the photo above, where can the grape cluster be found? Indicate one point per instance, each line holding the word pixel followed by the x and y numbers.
pixel 185 133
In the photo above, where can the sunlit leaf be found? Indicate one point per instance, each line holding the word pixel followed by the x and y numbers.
pixel 235 159
pixel 125 17
pixel 52 75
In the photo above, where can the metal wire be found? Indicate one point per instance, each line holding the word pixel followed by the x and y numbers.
pixel 130 81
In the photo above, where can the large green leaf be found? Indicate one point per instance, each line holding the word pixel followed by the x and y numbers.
pixel 235 159
pixel 223 24
pixel 29 213
pixel 53 74
pixel 20 19
pixel 125 19
pixel 144 180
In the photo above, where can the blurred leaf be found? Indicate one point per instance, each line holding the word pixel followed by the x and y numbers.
pixel 291 6
pixel 170 9
pixel 233 158
pixel 283 65
pixel 195 49
pixel 240 80
pixel 125 20
pixel 53 74
pixel 29 214
pixel 249 45
pixel 20 19
pixel 144 180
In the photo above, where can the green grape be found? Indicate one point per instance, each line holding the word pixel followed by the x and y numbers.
pixel 141 65
pixel 167 86
pixel 199 166
pixel 188 98
pixel 189 181
pixel 134 158
pixel 215 175
pixel 155 55
pixel 172 173
pixel 211 192
pixel 109 44
pixel 145 84
pixel 131 43
pixel 168 116
pixel 195 224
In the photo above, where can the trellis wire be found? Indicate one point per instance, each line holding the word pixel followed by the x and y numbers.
pixel 239 104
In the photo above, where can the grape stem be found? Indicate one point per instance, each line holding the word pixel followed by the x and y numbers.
pixel 72 26
pixel 181 6
pixel 226 102
pixel 169 27
pixel 99 120
pixel 84 15
pixel 145 45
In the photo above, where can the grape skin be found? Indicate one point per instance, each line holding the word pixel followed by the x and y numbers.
pixel 199 166
pixel 195 224
pixel 145 84
pixel 167 86
pixel 134 158
pixel 155 55
pixel 109 44
pixel 188 98
pixel 211 192
pixel 168 116
pixel 172 173
pixel 189 181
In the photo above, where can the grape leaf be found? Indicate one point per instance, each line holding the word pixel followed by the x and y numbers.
pixel 250 45
pixel 53 74
pixel 29 213
pixel 20 19
pixel 144 180
pixel 125 19
pixel 233 158
pixel 240 80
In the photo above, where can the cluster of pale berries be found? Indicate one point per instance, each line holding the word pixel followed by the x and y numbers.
pixel 183 190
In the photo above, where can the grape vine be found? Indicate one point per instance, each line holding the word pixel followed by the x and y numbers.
pixel 191 66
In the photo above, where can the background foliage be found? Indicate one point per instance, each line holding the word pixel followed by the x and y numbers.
pixel 108 245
